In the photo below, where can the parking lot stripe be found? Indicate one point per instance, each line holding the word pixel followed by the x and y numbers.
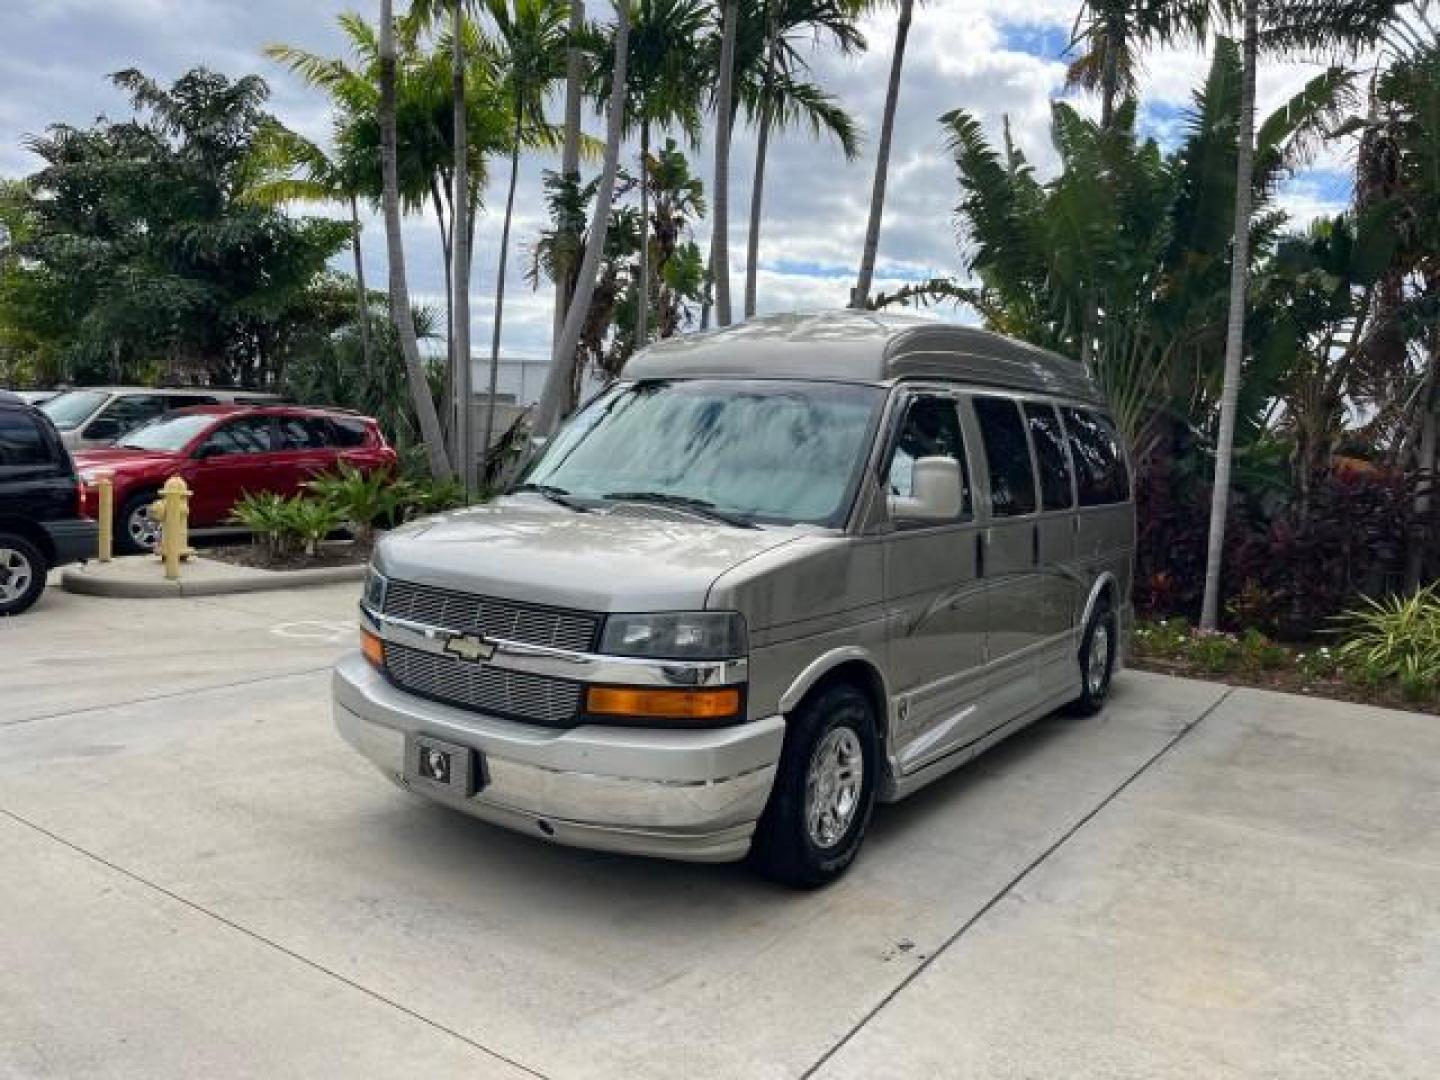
pixel 1010 885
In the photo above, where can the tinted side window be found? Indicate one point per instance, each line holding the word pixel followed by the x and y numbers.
pixel 304 433
pixel 1007 452
pixel 1100 470
pixel 125 414
pixel 21 441
pixel 185 401
pixel 931 429
pixel 1051 459
pixel 248 436
pixel 347 433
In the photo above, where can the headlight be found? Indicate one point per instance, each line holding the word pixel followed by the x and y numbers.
pixel 374 595
pixel 690 635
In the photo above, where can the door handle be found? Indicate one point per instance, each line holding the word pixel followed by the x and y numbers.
pixel 1035 545
pixel 979 554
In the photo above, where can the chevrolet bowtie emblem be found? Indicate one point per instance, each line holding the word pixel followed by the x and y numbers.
pixel 470 647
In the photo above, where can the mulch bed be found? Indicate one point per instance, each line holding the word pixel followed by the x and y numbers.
pixel 1289 682
pixel 344 553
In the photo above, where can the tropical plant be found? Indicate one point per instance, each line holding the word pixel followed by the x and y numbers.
pixel 560 379
pixel 365 500
pixel 1398 637
pixel 532 43
pixel 263 514
pixel 860 298
pixel 779 97
pixel 133 251
pixel 720 188
pixel 666 78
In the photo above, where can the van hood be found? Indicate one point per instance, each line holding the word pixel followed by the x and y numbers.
pixel 524 550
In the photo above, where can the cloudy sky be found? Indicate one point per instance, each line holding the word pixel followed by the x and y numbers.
pixel 992 57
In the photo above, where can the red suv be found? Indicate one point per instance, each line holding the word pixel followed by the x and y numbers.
pixel 224 452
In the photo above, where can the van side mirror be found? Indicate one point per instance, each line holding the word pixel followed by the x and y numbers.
pixel 935 482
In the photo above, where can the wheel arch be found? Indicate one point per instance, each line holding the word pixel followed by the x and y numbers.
pixel 1105 584
pixel 849 664
pixel 29 530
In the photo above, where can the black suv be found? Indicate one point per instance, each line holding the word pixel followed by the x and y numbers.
pixel 40 521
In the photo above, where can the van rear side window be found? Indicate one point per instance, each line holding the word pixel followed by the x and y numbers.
pixel 1100 472
pixel 1050 456
pixel 1007 452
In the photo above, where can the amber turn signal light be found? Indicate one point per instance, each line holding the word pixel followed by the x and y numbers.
pixel 641 704
pixel 372 647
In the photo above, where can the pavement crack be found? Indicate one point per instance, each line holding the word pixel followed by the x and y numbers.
pixel 256 936
pixel 186 692
pixel 1010 886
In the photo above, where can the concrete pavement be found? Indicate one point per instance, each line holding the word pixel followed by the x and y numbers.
pixel 197 875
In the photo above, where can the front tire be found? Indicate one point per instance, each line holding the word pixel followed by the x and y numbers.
pixel 22 574
pixel 1097 659
pixel 824 790
pixel 135 531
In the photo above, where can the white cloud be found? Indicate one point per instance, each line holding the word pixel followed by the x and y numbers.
pixel 994 58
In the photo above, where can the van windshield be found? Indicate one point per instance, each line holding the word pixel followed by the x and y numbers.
pixel 779 451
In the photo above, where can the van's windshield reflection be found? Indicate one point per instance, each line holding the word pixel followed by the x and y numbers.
pixel 780 451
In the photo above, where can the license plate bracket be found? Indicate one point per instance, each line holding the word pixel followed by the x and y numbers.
pixel 443 767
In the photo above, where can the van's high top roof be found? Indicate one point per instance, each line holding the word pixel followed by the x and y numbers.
pixel 863 346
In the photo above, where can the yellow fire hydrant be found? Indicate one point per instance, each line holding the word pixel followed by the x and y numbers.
pixel 172 513
pixel 105 515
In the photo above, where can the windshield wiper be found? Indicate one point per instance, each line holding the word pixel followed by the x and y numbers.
pixel 699 507
pixel 557 495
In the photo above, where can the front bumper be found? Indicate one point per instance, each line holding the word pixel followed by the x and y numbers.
pixel 683 794
pixel 72 541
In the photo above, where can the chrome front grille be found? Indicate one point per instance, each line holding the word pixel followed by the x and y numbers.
pixel 517 695
pixel 492 617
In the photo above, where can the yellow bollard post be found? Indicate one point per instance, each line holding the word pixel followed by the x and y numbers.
pixel 174 512
pixel 105 513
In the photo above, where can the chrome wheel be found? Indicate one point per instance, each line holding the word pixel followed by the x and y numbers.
pixel 143 530
pixel 16 575
pixel 833 786
pixel 1098 670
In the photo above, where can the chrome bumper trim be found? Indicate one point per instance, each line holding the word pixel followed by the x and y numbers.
pixel 562 663
pixel 681 794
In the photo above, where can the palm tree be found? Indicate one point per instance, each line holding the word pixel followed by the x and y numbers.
pixel 294 169
pixel 400 311
pixel 1111 31
pixel 570 151
pixel 1293 25
pixel 782 99
pixel 666 80
pixel 861 296
pixel 533 40
pixel 562 360
pixel 724 104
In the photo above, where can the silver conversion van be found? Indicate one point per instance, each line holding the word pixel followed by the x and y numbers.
pixel 778 573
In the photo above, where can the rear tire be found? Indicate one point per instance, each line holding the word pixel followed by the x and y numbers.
pixel 1097 659
pixel 135 533
pixel 22 574
pixel 824 790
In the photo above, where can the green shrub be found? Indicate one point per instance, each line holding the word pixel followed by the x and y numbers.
pixel 422 497
pixel 1397 638
pixel 310 520
pixel 1321 663
pixel 364 500
pixel 1166 639
pixel 1214 653
pixel 264 515
pixel 1259 653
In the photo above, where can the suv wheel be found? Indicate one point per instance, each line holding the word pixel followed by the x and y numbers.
pixel 824 790
pixel 1097 660
pixel 136 531
pixel 22 574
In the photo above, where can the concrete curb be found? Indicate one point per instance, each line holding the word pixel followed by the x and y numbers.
pixel 91 580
